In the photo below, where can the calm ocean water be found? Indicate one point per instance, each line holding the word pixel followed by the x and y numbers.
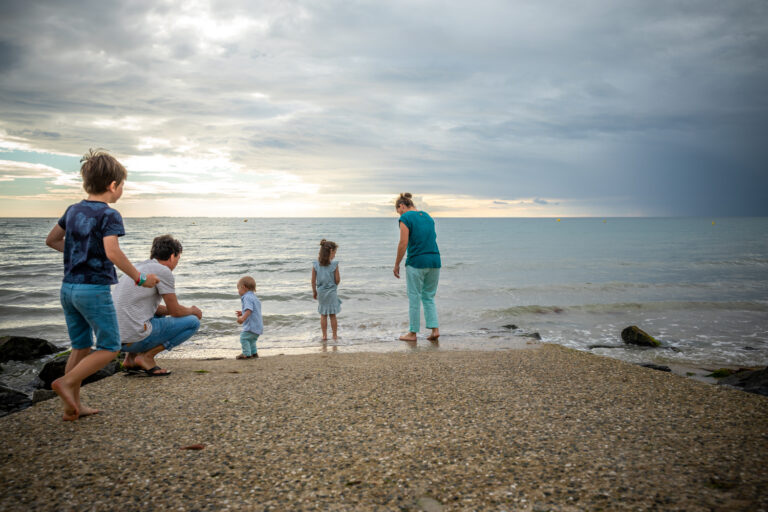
pixel 701 288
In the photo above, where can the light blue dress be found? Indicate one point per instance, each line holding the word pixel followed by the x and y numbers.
pixel 328 302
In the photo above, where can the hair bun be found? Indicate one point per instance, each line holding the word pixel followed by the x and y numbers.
pixel 407 195
pixel 322 242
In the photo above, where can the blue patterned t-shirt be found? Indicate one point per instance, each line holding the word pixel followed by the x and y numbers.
pixel 86 224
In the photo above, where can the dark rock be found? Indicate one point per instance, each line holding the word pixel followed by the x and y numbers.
pixel 54 369
pixel 12 400
pixel 21 348
pixel 533 335
pixel 41 395
pixel 107 371
pixel 634 335
pixel 652 366
pixel 752 381
pixel 509 326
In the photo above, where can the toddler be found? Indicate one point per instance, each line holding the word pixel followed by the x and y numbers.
pixel 249 317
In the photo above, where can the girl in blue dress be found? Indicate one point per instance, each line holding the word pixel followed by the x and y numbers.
pixel 325 280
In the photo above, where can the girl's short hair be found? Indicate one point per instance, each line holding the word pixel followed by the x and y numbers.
pixel 326 248
pixel 99 169
pixel 248 283
pixel 405 198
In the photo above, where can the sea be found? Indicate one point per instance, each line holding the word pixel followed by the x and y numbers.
pixel 699 285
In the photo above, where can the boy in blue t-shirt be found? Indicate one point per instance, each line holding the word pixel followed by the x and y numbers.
pixel 87 235
pixel 249 317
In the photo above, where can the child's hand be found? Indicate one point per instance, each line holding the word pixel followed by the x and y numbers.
pixel 240 319
pixel 314 294
pixel 151 281
pixel 239 313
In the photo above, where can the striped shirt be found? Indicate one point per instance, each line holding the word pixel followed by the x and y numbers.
pixel 136 305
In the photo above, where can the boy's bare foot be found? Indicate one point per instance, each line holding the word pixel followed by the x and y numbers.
pixel 67 395
pixel 69 416
pixel 411 336
pixel 87 411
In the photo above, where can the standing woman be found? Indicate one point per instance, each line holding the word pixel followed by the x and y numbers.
pixel 422 267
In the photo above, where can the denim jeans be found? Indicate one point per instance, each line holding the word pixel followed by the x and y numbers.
pixel 167 331
pixel 422 286
pixel 89 307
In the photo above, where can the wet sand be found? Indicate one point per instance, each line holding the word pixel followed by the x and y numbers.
pixel 542 429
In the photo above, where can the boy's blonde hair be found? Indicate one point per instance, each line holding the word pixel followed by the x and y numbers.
pixel 248 283
pixel 99 169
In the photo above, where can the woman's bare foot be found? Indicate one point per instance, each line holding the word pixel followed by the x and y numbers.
pixel 67 394
pixel 411 336
pixel 434 336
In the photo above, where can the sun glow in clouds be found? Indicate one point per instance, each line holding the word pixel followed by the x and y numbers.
pixel 290 109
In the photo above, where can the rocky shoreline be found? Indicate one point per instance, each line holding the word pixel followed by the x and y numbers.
pixel 40 362
pixel 543 429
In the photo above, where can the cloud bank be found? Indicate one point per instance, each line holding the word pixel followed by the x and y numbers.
pixel 498 108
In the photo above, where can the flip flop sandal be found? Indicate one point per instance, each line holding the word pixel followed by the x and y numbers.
pixel 156 371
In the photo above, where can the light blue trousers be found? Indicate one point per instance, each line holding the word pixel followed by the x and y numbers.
pixel 248 342
pixel 422 286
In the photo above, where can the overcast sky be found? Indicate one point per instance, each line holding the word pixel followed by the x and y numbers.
pixel 326 108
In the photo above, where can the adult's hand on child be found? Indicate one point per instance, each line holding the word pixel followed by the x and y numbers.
pixel 151 281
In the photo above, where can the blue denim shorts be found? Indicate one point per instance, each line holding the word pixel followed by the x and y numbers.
pixel 87 308
pixel 167 331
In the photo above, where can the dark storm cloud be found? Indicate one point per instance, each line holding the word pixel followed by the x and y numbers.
pixel 658 108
